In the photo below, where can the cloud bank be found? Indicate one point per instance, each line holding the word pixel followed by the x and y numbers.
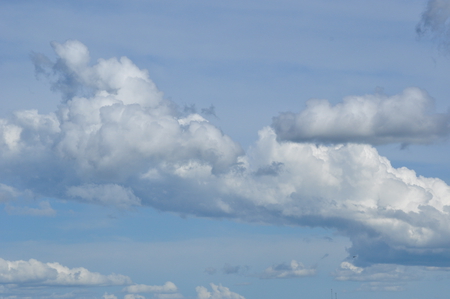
pixel 115 141
pixel 36 273
pixel 407 118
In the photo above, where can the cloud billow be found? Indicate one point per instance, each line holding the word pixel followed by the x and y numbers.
pixel 407 118
pixel 124 145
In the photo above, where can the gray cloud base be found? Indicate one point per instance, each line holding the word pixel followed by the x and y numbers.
pixel 122 144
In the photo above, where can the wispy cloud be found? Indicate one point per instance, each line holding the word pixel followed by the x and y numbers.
pixel 44 209
pixel 380 277
pixel 434 23
pixel 292 270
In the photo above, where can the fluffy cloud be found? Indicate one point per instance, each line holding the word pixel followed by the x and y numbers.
pixel 374 119
pixel 168 287
pixel 291 270
pixel 218 292
pixel 36 273
pixel 435 22
pixel 116 141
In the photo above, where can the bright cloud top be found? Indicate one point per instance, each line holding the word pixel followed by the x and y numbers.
pixel 218 292
pixel 115 141
pixel 406 118
pixel 36 273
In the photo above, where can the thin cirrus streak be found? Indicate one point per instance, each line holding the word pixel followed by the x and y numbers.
pixel 116 141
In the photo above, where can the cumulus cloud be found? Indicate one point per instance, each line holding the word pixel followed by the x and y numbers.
pixel 116 141
pixel 435 22
pixel 168 287
pixel 217 292
pixel 407 118
pixel 36 273
pixel 292 270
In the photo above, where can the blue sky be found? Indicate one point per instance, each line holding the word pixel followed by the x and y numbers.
pixel 224 150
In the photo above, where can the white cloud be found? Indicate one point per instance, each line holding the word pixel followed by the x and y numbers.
pixel 168 287
pixel 292 270
pixel 374 119
pixel 217 292
pixel 116 141
pixel 36 273
pixel 109 296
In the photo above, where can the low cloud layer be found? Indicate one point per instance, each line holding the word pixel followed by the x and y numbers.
pixel 381 277
pixel 168 287
pixel 36 273
pixel 115 141
pixel 407 118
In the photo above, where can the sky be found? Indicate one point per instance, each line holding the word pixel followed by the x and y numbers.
pixel 224 149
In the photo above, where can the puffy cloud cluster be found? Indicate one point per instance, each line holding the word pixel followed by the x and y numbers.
pixel 373 119
pixel 121 128
pixel 291 270
pixel 217 292
pixel 116 141
pixel 36 273
pixel 435 22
